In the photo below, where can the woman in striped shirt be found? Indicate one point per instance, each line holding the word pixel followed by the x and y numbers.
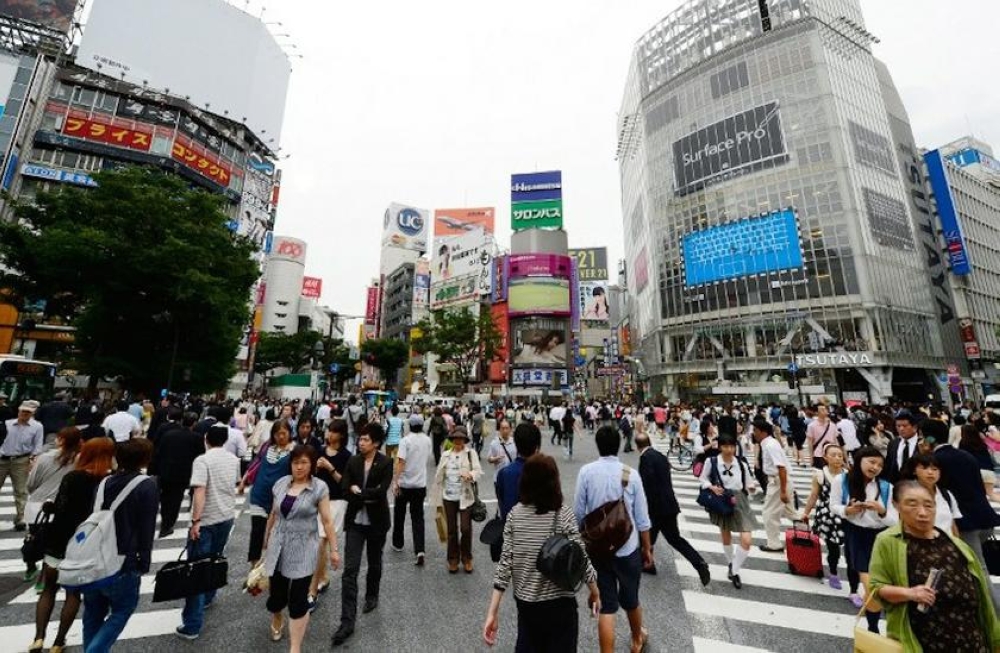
pixel 547 619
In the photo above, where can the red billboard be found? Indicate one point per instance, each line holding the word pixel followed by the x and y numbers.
pixel 371 307
pixel 312 287
pixel 539 265
pixel 201 162
pixel 498 365
pixel 93 130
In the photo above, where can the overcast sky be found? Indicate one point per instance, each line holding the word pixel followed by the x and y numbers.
pixel 436 103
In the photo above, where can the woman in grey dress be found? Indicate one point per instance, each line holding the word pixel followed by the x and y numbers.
pixel 291 544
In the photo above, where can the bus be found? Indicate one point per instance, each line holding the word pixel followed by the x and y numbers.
pixel 24 378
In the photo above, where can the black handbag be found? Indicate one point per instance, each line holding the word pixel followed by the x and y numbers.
pixel 181 579
pixel 492 531
pixel 561 560
pixel 478 509
pixel 718 504
pixel 991 552
pixel 33 548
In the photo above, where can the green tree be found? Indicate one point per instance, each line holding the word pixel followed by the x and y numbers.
pixel 294 351
pixel 388 355
pixel 145 268
pixel 460 337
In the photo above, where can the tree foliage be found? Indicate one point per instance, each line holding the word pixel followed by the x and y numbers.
pixel 145 268
pixel 388 355
pixel 293 351
pixel 460 337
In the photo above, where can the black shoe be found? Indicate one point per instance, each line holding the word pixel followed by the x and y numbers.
pixel 166 532
pixel 420 560
pixel 342 635
pixel 729 574
pixel 737 583
pixel 370 604
pixel 704 574
pixel 772 549
pixel 20 527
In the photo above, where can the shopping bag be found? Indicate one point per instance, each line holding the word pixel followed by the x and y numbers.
pixel 442 525
pixel 866 641
pixel 991 552
pixel 181 579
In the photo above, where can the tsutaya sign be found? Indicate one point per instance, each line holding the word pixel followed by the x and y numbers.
pixel 835 359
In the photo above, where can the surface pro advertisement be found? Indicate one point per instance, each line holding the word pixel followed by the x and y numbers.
pixel 758 245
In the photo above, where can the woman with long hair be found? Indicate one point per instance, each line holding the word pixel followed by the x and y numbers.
pixel 974 443
pixel 45 478
pixel 862 502
pixel 547 616
pixel 73 503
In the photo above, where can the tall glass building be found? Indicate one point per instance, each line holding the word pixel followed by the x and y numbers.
pixel 768 228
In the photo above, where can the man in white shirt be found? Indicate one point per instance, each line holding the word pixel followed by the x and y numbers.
pixel 410 487
pixel 849 432
pixel 122 425
pixel 778 499
pixel 556 414
pixel 502 450
pixel 322 415
pixel 214 475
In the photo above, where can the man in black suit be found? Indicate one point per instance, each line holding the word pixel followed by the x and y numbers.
pixel 173 457
pixel 902 447
pixel 654 469
pixel 366 484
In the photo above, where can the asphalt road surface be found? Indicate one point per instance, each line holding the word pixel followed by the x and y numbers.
pixel 428 609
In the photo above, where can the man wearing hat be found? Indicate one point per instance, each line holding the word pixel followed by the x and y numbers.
pixel 24 440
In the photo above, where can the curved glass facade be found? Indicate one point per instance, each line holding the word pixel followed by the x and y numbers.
pixel 766 220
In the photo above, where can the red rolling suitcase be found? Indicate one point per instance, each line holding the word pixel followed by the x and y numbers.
pixel 803 551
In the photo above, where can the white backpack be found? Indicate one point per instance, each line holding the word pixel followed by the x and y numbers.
pixel 92 553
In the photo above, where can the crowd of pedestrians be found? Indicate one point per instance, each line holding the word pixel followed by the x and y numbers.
pixel 895 493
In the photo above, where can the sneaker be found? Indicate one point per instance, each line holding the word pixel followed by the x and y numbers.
pixel 420 560
pixel 184 634
pixel 856 600
pixel 835 582
pixel 29 575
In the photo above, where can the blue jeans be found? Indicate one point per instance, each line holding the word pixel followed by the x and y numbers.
pixel 211 541
pixel 106 610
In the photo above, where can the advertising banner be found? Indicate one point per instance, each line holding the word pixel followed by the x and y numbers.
pixel 756 245
pixel 458 256
pixel 8 71
pixel 539 378
pixel 405 227
pixel 535 186
pixel 498 366
pixel 421 285
pixel 736 146
pixel 539 297
pixel 593 300
pixel 958 253
pixel 52 174
pixel 288 249
pixel 371 305
pixel 536 215
pixel 53 14
pixel 255 203
pixel 592 263
pixel 455 222
pixel 454 291
pixel 501 275
pixel 312 287
pixel 93 130
pixel 539 265
pixel 640 270
pixel 574 298
pixel 203 163
pixel 539 342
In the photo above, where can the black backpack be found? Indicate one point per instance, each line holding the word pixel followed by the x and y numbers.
pixel 561 560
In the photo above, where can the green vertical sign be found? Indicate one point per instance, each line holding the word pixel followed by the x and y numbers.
pixel 534 215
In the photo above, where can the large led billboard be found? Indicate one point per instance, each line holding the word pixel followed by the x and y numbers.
pixel 219 56
pixel 539 342
pixel 738 145
pixel 53 14
pixel 757 245
pixel 538 296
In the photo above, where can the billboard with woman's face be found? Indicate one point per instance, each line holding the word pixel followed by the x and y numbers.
pixel 594 301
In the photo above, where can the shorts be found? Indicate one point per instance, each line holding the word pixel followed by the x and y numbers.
pixel 618 582
pixel 799 441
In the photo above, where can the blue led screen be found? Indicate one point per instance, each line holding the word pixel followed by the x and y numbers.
pixel 768 243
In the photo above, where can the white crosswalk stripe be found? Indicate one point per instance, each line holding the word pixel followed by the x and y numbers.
pixel 772 601
pixel 149 620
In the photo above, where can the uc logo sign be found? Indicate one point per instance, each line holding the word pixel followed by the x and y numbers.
pixel 410 222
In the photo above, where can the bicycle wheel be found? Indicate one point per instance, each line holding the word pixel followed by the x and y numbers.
pixel 683 459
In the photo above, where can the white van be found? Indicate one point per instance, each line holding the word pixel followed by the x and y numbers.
pixel 993 402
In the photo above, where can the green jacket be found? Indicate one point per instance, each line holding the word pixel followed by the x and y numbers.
pixel 888 567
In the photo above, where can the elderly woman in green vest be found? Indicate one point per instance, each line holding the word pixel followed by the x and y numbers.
pixel 959 614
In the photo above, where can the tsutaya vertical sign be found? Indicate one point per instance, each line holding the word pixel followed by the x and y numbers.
pixel 536 200
pixel 958 254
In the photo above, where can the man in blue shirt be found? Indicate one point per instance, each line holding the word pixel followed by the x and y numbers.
pixel 598 483
pixel 527 441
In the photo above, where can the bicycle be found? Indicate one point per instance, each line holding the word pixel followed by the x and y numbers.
pixel 680 454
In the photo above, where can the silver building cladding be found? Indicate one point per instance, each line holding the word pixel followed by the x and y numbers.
pixel 768 227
